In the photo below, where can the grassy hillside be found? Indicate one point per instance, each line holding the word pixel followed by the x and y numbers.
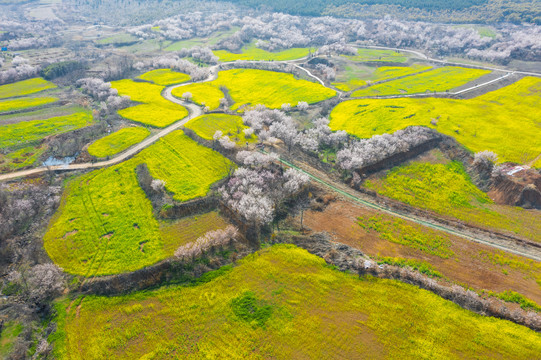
pixel 105 223
pixel 376 55
pixel 284 303
pixel 253 87
pixel 503 121
pixel 154 110
pixel 118 141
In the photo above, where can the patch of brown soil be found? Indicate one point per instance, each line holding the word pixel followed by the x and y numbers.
pixel 108 235
pixel 466 267
pixel 73 232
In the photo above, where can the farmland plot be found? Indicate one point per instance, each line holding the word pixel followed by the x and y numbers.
pixel 24 134
pixel 25 103
pixel 25 87
pixel 252 52
pixel 437 80
pixel 118 141
pixel 105 223
pixel 165 77
pixel 285 303
pixel 230 125
pixel 375 55
pixel 154 109
pixel 504 121
pixel 252 87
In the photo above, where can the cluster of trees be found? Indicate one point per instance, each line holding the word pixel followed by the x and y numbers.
pixel 215 239
pixel 365 152
pixel 20 70
pixel 102 91
pixel 62 68
pixel 274 31
pixel 259 186
pixel 271 125
pixel 175 62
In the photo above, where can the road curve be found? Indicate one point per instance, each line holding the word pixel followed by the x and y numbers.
pixel 193 111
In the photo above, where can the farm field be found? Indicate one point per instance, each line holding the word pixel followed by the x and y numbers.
pixel 165 77
pixel 118 141
pixel 202 94
pixel 503 121
pixel 354 77
pixel 252 52
pixel 24 103
pixel 253 87
pixel 8 336
pixel 105 223
pixel 461 261
pixel 117 39
pixel 447 189
pixel 24 134
pixel 154 110
pixel 230 125
pixel 25 87
pixel 180 232
pixel 20 158
pixel 375 55
pixel 283 302
pixel 437 80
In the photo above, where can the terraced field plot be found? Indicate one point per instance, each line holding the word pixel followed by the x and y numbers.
pixel 105 224
pixel 24 134
pixel 230 125
pixel 254 53
pixel 118 141
pixel 25 103
pixel 477 266
pixel 375 55
pixel 25 87
pixel 354 77
pixel 285 303
pixel 253 87
pixel 504 121
pixel 154 110
pixel 447 189
pixel 117 39
pixel 437 80
pixel 165 77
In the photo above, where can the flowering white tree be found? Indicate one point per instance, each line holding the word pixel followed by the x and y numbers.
pixel 302 106
pixel 211 240
pixel 187 96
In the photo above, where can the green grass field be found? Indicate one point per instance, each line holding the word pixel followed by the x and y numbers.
pixel 253 87
pixel 353 77
pixel 375 55
pixel 25 103
pixel 230 125
pixel 20 158
pixel 25 87
pixel 118 141
pixel 116 39
pixel 284 303
pixel 448 190
pixel 165 77
pixel 8 335
pixel 503 121
pixel 252 52
pixel 105 223
pixel 437 80
pixel 24 134
pixel 154 110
